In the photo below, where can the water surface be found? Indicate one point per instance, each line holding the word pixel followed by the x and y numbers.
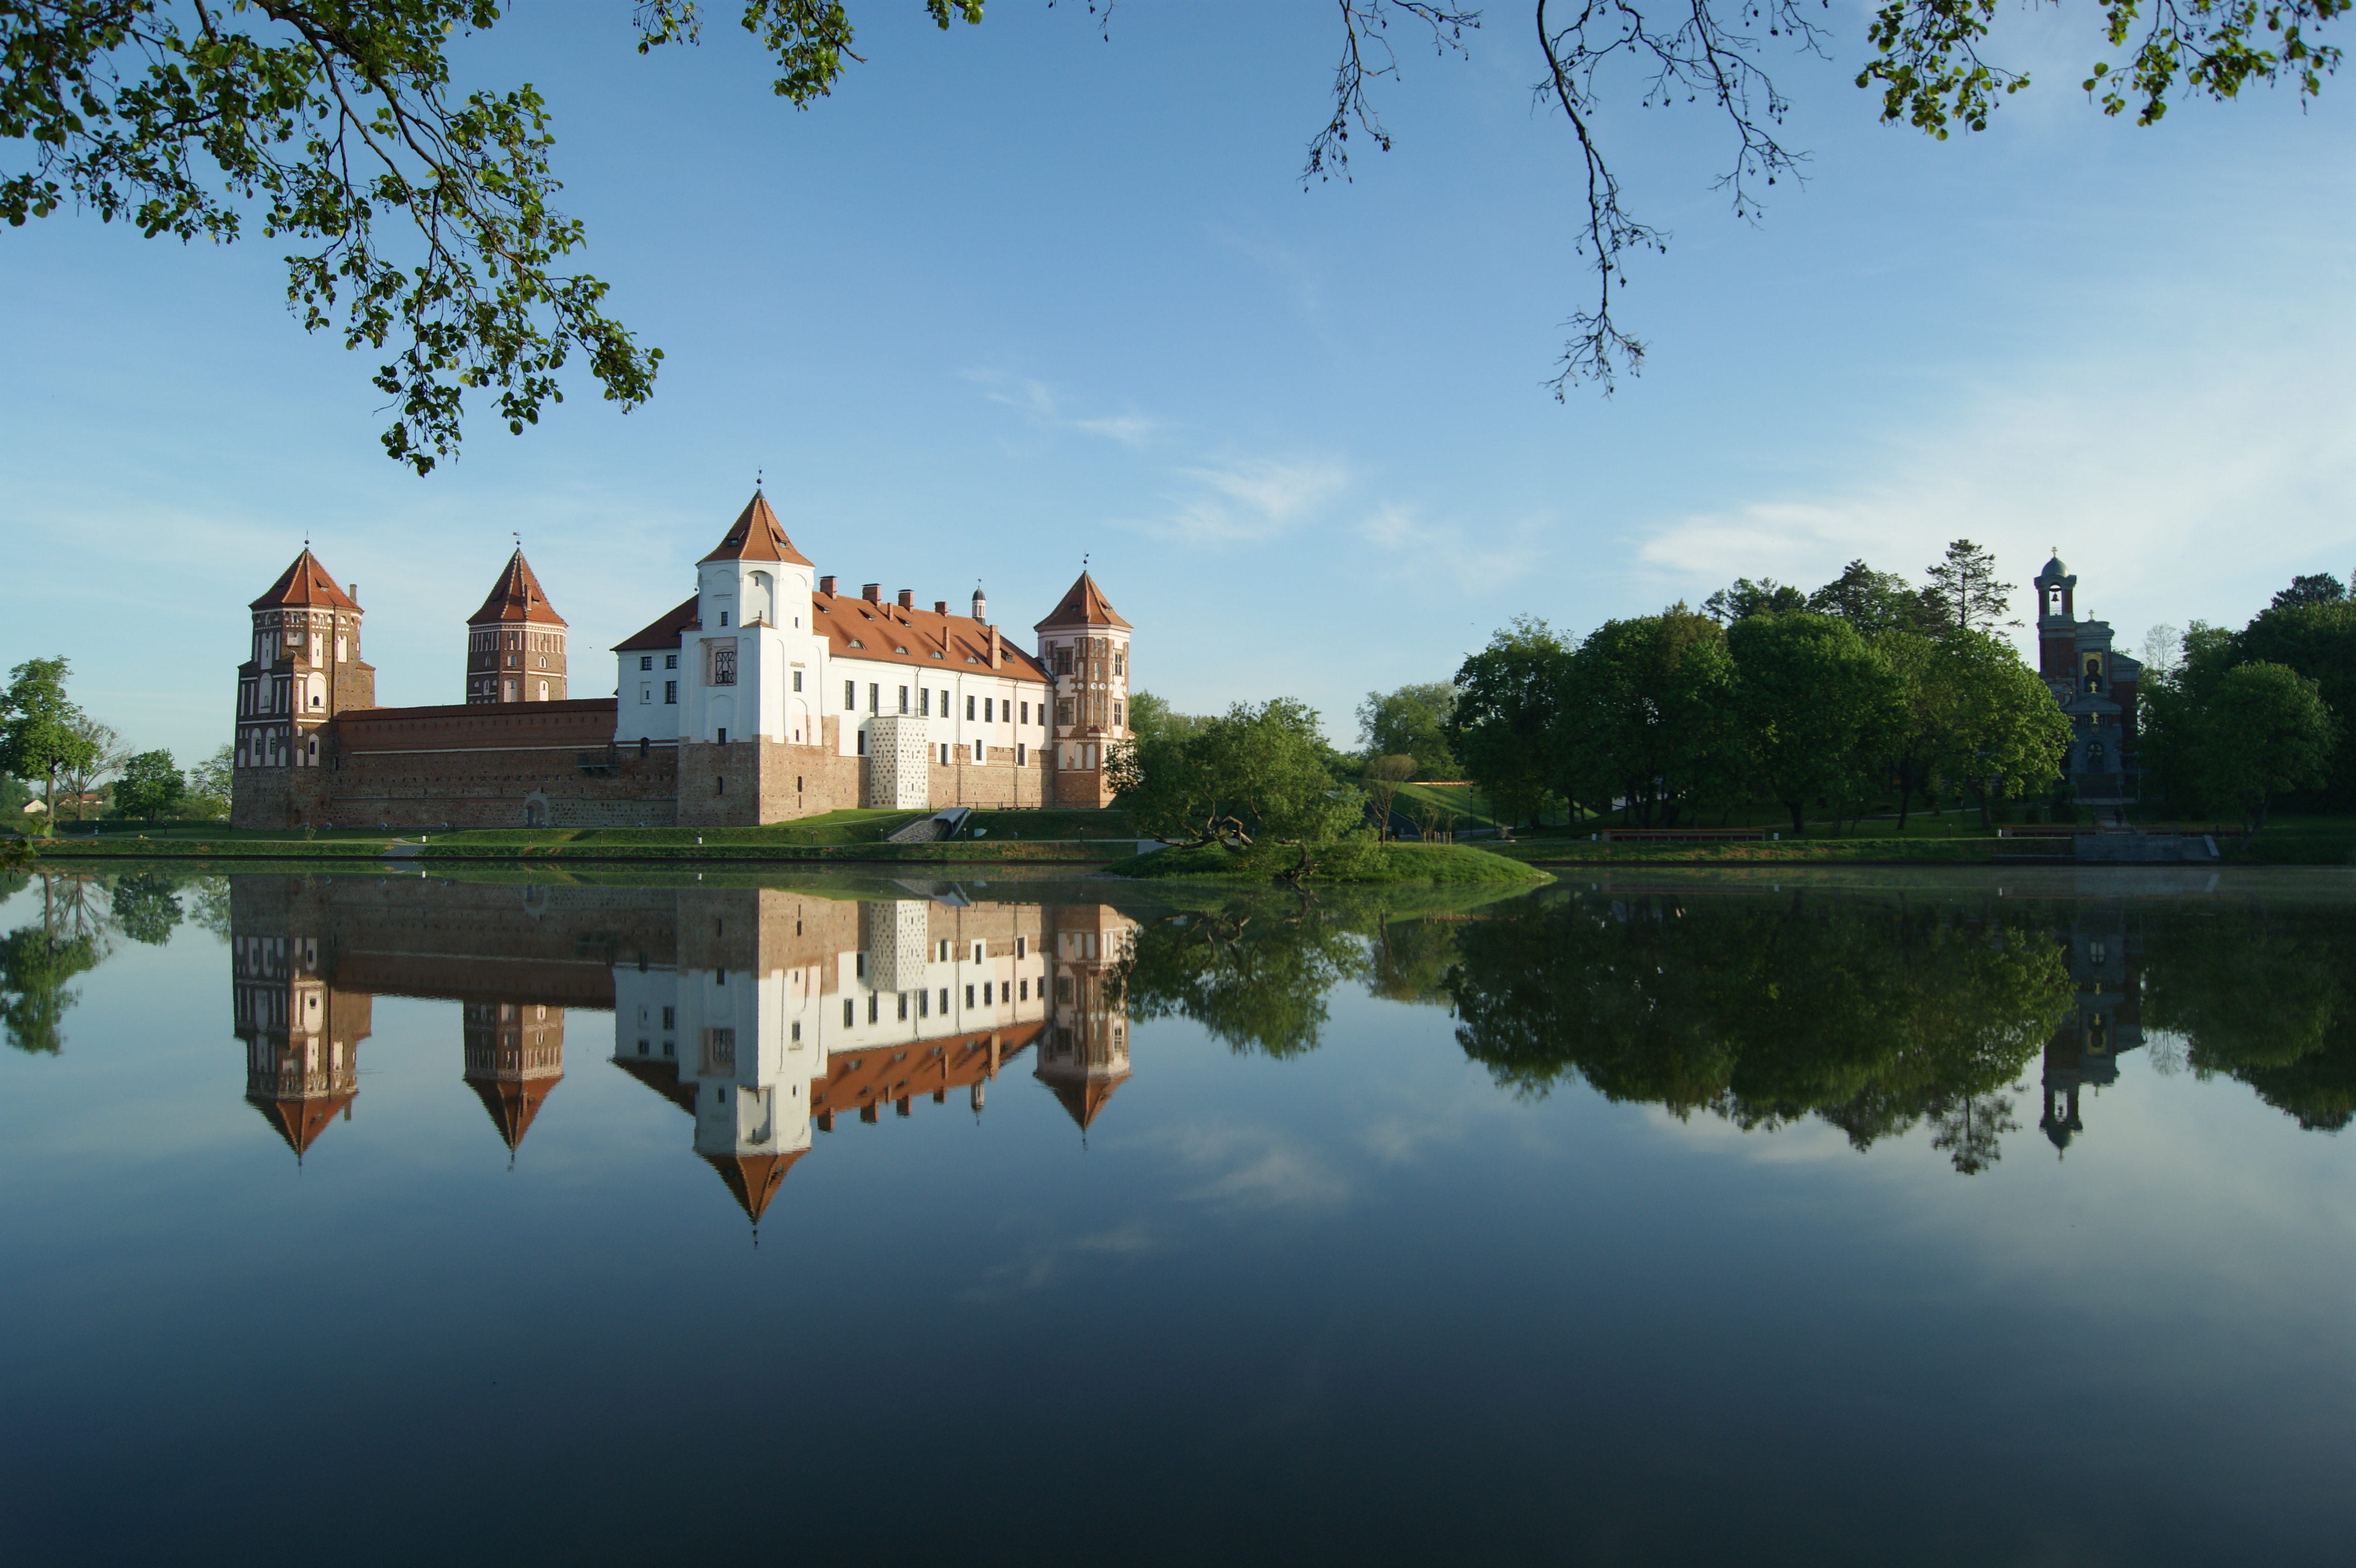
pixel 1869 1218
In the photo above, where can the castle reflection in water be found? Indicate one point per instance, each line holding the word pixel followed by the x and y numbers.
pixel 763 1014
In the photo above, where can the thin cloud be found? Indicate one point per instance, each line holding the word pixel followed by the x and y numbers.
pixel 1229 503
pixel 1038 402
pixel 1474 559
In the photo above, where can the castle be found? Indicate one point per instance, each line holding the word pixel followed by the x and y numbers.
pixel 770 1015
pixel 764 696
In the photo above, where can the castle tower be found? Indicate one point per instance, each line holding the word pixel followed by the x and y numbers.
pixel 302 1035
pixel 2096 687
pixel 515 643
pixel 2057 618
pixel 305 668
pixel 514 1055
pixel 1084 1056
pixel 1084 643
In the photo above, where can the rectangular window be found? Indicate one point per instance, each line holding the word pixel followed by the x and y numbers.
pixel 976 952
pixel 1022 755
pixel 1116 714
pixel 977 751
pixel 862 742
pixel 798 1034
pixel 945 1000
pixel 723 663
pixel 985 992
pixel 1118 659
pixel 969 707
pixel 871 1001
pixel 1062 661
pixel 944 950
pixel 646 692
pixel 945 754
pixel 851 696
pixel 797 679
pixel 968 996
pixel 925 702
pixel 719 1052
pixel 986 714
pixel 903 1006
pixel 1027 990
pixel 924 1003
pixel 645 660
pixel 874 697
pixel 1064 988
pixel 1063 711
pixel 904 698
pixel 1026 713
pixel 670 690
pixel 848 1017
pixel 670 661
pixel 1022 947
pixel 944 701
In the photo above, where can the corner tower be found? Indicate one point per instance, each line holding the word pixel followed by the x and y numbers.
pixel 305 668
pixel 1083 644
pixel 515 643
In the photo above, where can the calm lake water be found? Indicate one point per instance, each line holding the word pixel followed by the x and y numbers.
pixel 1972 1218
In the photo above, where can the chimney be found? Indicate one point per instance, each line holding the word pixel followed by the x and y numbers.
pixel 981 605
pixel 940 606
pixel 995 655
pixel 907 598
pixel 352 591
pixel 872 593
pixel 826 585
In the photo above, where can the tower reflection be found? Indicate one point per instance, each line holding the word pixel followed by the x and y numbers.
pixel 763 1014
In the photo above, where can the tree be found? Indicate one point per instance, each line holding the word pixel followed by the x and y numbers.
pixel 2265 729
pixel 2321 588
pixel 150 787
pixel 1411 721
pixel 1743 598
pixel 1965 591
pixel 1815 705
pixel 1644 714
pixel 1253 774
pixel 1150 719
pixel 145 909
pixel 2318 638
pixel 209 784
pixel 98 753
pixel 1502 729
pixel 2005 736
pixel 1871 601
pixel 39 729
pixel 1381 783
pixel 423 224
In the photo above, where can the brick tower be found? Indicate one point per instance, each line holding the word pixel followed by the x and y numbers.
pixel 1084 643
pixel 1084 1055
pixel 305 669
pixel 515 643
pixel 514 1055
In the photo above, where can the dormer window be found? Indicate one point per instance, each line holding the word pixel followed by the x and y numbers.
pixel 856 643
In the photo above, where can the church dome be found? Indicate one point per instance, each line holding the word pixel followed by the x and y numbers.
pixel 2053 568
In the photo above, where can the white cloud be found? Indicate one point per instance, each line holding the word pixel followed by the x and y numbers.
pixel 1254 1168
pixel 1475 559
pixel 1231 502
pixel 2174 487
pixel 1038 402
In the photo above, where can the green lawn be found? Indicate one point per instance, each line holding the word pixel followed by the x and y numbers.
pixel 1264 864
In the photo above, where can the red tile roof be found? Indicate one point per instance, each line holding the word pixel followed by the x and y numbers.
pixel 1085 604
pixel 517 596
pixel 1081 1101
pixel 756 535
pixel 664 630
pixel 881 629
pixel 513 1105
pixel 754 1179
pixel 300 1121
pixel 305 583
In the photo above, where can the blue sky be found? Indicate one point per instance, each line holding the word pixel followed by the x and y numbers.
pixel 1017 293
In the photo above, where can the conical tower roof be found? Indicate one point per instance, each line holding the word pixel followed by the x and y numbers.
pixel 756 535
pixel 300 1121
pixel 305 583
pixel 1084 1098
pixel 1085 604
pixel 754 1179
pixel 517 596
pixel 512 1103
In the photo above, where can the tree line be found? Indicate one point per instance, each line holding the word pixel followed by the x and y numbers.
pixel 2235 720
pixel 48 742
pixel 1866 689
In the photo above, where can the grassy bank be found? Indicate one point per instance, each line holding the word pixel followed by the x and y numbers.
pixel 1421 863
pixel 991 838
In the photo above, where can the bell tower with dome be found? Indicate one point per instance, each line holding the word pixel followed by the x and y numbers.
pixel 2096 686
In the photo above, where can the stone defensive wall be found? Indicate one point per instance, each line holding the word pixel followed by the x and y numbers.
pixel 495 765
